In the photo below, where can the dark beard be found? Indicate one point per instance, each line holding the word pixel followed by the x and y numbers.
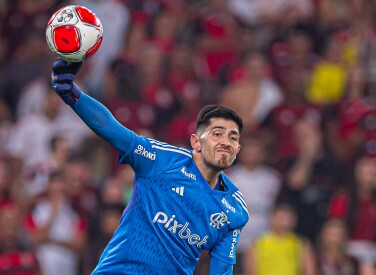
pixel 214 167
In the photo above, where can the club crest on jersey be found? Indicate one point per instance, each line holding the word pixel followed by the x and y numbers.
pixel 217 220
pixel 189 175
pixel 143 152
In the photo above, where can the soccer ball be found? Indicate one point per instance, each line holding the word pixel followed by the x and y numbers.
pixel 74 33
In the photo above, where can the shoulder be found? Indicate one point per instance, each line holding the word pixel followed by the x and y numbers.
pixel 236 200
pixel 168 150
pixel 150 148
pixel 150 157
pixel 160 145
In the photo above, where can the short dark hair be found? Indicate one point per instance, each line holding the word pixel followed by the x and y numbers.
pixel 217 111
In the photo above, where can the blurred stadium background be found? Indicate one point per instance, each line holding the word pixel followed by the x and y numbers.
pixel 301 73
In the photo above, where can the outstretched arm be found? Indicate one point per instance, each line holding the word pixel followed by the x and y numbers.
pixel 93 113
pixel 99 119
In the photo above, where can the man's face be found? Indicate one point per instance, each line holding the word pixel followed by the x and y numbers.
pixel 218 143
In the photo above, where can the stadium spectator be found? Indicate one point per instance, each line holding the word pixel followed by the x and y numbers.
pixel 105 224
pixel 56 230
pixel 351 128
pixel 271 11
pixel 310 179
pixel 328 79
pixel 280 250
pixel 113 191
pixel 292 60
pixel 81 187
pixel 149 102
pixel 118 189
pixel 282 124
pixel 356 206
pixel 29 61
pixel 32 97
pixel 260 184
pixel 332 257
pixel 269 18
pixel 216 38
pixel 9 185
pixel 16 253
pixel 123 79
pixel 183 82
pixel 4 5
pixel 60 152
pixel 164 31
pixel 23 18
pixel 3 49
pixel 6 125
pixel 11 188
pixel 31 137
pixel 202 55
pixel 254 95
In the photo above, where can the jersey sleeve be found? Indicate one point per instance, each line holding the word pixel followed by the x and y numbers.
pixel 225 250
pixel 146 156
pixel 150 157
pixel 100 120
pixel 218 267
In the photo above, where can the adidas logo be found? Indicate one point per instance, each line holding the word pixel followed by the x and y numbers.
pixel 178 190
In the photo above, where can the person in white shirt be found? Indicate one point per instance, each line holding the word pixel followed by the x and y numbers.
pixel 260 184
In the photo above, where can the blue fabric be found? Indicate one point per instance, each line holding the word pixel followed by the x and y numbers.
pixel 218 267
pixel 102 122
pixel 63 74
pixel 173 214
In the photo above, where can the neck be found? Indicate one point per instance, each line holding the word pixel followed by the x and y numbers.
pixel 334 254
pixel 209 173
pixel 280 232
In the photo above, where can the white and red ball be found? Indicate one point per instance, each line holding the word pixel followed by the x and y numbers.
pixel 74 33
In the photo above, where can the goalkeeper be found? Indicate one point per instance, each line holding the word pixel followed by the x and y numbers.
pixel 182 202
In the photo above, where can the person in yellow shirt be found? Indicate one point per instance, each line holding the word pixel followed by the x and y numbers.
pixel 280 250
pixel 328 79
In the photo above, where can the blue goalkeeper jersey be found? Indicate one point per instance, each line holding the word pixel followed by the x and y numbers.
pixel 173 214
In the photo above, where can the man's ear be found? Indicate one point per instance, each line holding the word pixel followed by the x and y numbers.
pixel 195 143
pixel 238 151
pixel 239 147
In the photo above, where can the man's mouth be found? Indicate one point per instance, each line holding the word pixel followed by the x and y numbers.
pixel 222 151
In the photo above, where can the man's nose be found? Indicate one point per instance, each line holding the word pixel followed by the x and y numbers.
pixel 226 141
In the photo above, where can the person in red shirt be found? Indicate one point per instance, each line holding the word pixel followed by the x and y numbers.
pixel 17 257
pixel 357 206
pixel 217 41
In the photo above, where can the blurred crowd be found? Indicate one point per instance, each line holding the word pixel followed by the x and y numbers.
pixel 302 75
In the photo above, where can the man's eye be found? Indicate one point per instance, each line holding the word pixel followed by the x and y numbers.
pixel 217 134
pixel 234 139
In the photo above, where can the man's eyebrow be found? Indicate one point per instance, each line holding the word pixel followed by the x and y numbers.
pixel 233 132
pixel 219 127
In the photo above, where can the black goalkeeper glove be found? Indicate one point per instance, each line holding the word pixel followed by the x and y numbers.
pixel 63 74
